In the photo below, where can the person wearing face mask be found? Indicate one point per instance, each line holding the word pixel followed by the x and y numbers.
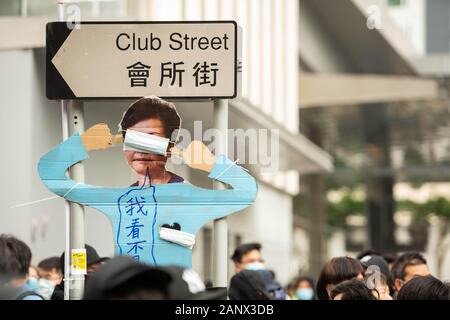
pixel 155 219
pixel 248 257
pixel 304 288
pixel 16 280
pixel 39 283
pixel 33 278
pixel 50 269
pixel 48 275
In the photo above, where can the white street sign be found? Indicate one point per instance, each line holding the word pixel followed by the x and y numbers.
pixel 135 59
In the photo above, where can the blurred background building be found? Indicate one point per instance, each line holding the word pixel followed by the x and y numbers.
pixel 373 94
pixel 357 89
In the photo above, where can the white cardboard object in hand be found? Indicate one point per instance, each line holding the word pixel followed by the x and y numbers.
pixel 180 237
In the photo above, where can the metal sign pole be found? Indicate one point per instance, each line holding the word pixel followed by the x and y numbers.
pixel 72 118
pixel 76 124
pixel 220 235
pixel 65 135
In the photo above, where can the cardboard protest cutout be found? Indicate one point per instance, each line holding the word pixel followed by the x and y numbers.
pixel 154 220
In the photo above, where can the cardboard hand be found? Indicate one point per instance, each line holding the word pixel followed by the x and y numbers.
pixel 196 156
pixel 98 137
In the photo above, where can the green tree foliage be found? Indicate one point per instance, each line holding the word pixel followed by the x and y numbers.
pixel 440 206
pixel 338 211
pixel 349 205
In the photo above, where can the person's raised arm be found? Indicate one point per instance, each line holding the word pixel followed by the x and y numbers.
pixel 198 156
pixel 53 165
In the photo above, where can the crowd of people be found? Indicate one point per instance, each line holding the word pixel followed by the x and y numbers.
pixel 370 276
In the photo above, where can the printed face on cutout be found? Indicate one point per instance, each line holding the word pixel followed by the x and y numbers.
pixel 141 162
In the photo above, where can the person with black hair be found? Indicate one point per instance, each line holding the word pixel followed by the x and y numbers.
pixel 247 256
pixel 424 288
pixel 335 271
pixel 248 285
pixel 122 278
pixel 50 269
pixel 407 266
pixel 15 260
pixel 376 273
pixel 368 252
pixel 389 257
pixel 43 278
pixel 353 290
pixel 303 288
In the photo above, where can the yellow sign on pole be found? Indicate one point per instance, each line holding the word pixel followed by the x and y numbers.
pixel 79 265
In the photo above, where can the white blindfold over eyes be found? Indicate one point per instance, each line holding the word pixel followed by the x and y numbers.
pixel 146 143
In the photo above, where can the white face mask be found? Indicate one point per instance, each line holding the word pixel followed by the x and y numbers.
pixel 305 293
pixel 146 143
pixel 255 266
pixel 46 288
